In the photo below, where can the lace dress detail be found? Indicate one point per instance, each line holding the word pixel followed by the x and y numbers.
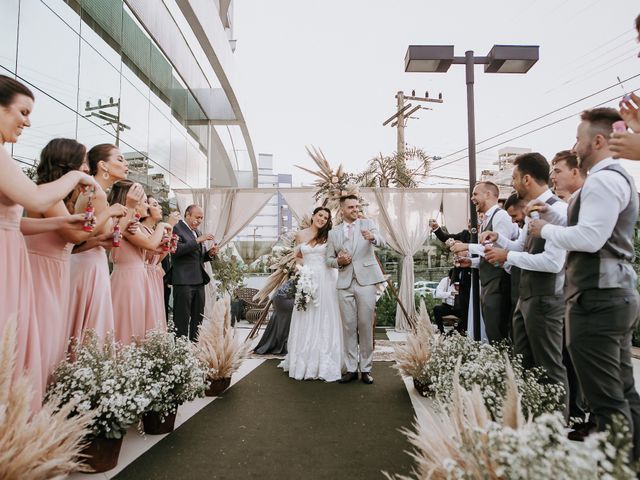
pixel 315 337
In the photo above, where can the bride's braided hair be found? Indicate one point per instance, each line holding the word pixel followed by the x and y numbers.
pixel 323 234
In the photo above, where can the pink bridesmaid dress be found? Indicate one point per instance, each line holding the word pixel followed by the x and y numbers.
pixel 155 316
pixel 49 256
pixel 90 305
pixel 128 281
pixel 17 298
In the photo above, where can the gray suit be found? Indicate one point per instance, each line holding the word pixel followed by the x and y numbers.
pixel 356 290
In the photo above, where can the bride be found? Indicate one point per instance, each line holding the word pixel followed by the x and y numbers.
pixel 315 337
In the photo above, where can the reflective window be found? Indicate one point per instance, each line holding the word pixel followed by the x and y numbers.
pixel 134 113
pixel 49 120
pixel 160 141
pixel 178 151
pixel 50 65
pixel 66 10
pixel 8 36
pixel 91 134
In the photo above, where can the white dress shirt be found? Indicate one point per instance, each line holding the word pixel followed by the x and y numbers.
pixel 192 231
pixel 604 195
pixel 550 260
pixel 502 224
pixel 444 291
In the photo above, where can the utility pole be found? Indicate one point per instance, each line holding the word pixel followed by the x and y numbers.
pixel 111 119
pixel 403 114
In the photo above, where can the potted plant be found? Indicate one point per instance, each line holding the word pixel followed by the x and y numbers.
pixel 177 375
pixel 219 347
pixel 109 381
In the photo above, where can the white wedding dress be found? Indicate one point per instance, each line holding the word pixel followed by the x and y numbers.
pixel 315 338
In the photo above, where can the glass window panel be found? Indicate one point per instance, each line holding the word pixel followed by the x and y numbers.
pixel 99 81
pixel 134 112
pixel 49 120
pixel 107 14
pixel 194 159
pixel 50 65
pixel 8 35
pixel 178 152
pixel 159 141
pixel 68 11
pixel 95 36
pixel 91 134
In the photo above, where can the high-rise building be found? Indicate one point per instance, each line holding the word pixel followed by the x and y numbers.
pixel 154 77
pixel 502 176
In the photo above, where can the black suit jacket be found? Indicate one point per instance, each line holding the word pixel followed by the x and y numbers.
pixel 464 236
pixel 187 264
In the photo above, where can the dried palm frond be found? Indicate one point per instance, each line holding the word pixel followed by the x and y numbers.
pixel 41 445
pixel 283 270
pixel 415 353
pixel 218 344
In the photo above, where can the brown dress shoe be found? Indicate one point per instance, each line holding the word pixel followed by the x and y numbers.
pixel 366 378
pixel 348 377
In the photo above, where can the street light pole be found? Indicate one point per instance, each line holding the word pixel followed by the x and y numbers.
pixel 501 59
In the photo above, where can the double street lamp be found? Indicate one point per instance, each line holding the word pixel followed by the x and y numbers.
pixel 501 59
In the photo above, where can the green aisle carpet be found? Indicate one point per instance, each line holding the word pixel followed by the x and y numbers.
pixel 269 426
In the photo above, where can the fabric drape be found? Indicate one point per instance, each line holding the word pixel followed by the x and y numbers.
pixel 455 210
pixel 403 218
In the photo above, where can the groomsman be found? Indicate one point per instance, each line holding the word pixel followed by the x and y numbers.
pixel 538 318
pixel 602 302
pixel 187 274
pixel 495 297
pixel 514 206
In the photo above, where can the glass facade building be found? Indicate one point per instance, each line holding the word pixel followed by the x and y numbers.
pixel 101 76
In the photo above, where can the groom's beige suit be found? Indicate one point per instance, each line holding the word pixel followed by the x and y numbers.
pixel 356 289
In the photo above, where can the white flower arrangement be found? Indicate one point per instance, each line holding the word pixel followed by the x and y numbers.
pixel 176 373
pixel 483 365
pixel 106 380
pixel 463 443
pixel 306 287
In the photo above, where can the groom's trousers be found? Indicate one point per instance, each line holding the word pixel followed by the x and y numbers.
pixel 357 308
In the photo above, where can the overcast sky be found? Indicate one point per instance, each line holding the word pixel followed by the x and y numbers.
pixel 325 73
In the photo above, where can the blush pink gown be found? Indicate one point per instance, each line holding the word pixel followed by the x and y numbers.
pixel 17 298
pixel 155 316
pixel 128 281
pixel 49 256
pixel 90 305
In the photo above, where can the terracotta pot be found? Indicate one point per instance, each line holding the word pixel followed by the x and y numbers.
pixel 153 425
pixel 420 387
pixel 216 387
pixel 102 453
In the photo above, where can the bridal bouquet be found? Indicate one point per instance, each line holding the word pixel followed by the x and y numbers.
pixel 306 288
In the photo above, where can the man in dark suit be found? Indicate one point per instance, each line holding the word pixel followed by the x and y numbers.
pixel 462 275
pixel 187 274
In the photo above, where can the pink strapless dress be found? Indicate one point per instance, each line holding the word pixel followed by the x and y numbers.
pixel 155 316
pixel 17 298
pixel 128 281
pixel 49 256
pixel 90 305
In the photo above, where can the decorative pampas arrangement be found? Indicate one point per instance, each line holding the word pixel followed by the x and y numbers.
pixel 218 344
pixel 412 356
pixel 41 445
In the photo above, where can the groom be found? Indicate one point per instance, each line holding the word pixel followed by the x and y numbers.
pixel 350 250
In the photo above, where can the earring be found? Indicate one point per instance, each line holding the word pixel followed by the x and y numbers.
pixel 105 175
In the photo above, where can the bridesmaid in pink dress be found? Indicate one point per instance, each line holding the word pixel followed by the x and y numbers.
pixel 90 304
pixel 16 190
pixel 129 276
pixel 49 253
pixel 155 316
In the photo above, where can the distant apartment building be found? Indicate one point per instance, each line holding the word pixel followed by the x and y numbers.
pixel 502 176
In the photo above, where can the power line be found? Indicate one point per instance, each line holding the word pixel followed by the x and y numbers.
pixel 524 134
pixel 541 117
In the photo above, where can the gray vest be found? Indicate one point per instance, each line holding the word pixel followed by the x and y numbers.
pixel 611 266
pixel 489 273
pixel 534 284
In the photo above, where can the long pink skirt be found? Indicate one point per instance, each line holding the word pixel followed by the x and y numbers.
pixel 90 305
pixel 155 316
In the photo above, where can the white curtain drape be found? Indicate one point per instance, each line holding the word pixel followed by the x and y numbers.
pixel 226 213
pixel 403 218
pixel 455 211
pixel 301 201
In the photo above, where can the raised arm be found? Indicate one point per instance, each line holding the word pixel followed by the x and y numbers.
pixel 38 198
